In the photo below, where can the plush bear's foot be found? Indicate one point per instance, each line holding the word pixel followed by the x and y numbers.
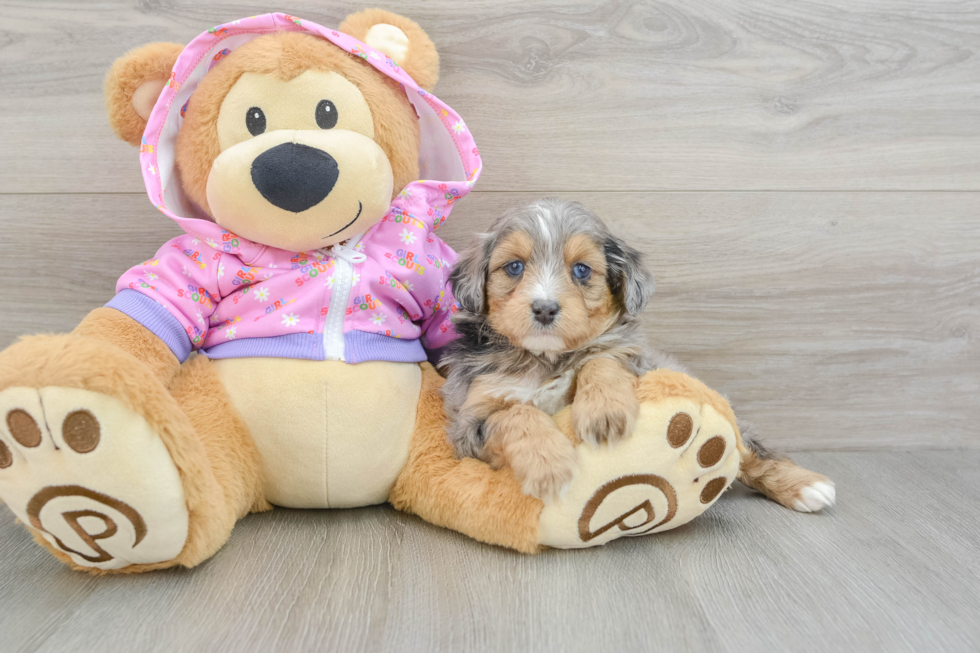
pixel 91 477
pixel 682 455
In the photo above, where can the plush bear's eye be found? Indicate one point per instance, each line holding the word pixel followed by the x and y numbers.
pixel 255 121
pixel 326 114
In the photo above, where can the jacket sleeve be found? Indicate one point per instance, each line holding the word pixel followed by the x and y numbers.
pixel 439 304
pixel 173 294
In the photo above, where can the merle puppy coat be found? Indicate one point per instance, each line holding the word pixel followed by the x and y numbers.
pixel 550 316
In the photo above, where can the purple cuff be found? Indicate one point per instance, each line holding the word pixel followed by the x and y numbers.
pixel 154 317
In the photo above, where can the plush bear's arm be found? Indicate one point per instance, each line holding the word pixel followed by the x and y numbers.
pixel 436 323
pixel 126 333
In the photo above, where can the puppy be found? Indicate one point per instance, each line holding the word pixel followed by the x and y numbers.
pixel 550 304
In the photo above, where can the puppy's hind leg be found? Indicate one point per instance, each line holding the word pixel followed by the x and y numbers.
pixel 782 480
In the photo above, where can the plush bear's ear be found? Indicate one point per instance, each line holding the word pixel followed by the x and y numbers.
pixel 133 85
pixel 399 38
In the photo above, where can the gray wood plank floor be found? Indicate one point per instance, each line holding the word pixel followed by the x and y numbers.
pixel 804 179
pixel 895 567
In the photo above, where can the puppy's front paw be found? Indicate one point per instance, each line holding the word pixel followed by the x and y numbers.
pixel 546 467
pixel 607 418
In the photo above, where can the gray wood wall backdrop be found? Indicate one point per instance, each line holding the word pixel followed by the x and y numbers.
pixel 804 178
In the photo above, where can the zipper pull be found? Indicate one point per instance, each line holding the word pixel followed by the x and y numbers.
pixel 350 255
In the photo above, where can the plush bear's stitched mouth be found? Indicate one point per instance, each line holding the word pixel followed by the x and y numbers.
pixel 360 207
pixel 295 177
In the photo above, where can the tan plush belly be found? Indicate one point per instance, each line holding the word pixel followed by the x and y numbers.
pixel 331 435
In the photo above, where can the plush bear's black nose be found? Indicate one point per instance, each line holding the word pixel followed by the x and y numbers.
pixel 293 176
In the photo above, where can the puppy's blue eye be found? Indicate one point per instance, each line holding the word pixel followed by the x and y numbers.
pixel 581 271
pixel 514 268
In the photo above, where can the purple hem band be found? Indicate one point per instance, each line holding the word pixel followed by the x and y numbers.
pixel 154 317
pixel 360 347
pixel 307 346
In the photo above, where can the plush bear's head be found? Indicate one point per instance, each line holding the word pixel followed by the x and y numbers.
pixel 289 141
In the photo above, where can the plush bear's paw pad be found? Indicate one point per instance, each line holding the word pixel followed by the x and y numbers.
pixel 816 496
pixel 91 476
pixel 681 457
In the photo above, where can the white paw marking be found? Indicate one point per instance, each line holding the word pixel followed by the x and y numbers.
pixel 816 497
pixel 91 476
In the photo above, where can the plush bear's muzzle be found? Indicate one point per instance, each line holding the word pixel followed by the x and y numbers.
pixel 300 189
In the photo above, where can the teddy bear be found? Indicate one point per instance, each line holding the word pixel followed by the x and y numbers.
pixel 277 352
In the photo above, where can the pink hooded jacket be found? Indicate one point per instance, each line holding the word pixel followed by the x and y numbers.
pixel 382 295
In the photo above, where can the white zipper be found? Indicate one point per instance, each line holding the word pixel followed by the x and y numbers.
pixel 343 275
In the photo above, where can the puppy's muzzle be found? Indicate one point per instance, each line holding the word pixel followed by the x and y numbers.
pixel 293 176
pixel 545 311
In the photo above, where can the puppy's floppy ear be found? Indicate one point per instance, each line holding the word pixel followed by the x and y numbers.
pixel 469 275
pixel 399 38
pixel 628 278
pixel 133 85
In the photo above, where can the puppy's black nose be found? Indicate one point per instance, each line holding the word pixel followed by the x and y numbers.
pixel 545 310
pixel 293 176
